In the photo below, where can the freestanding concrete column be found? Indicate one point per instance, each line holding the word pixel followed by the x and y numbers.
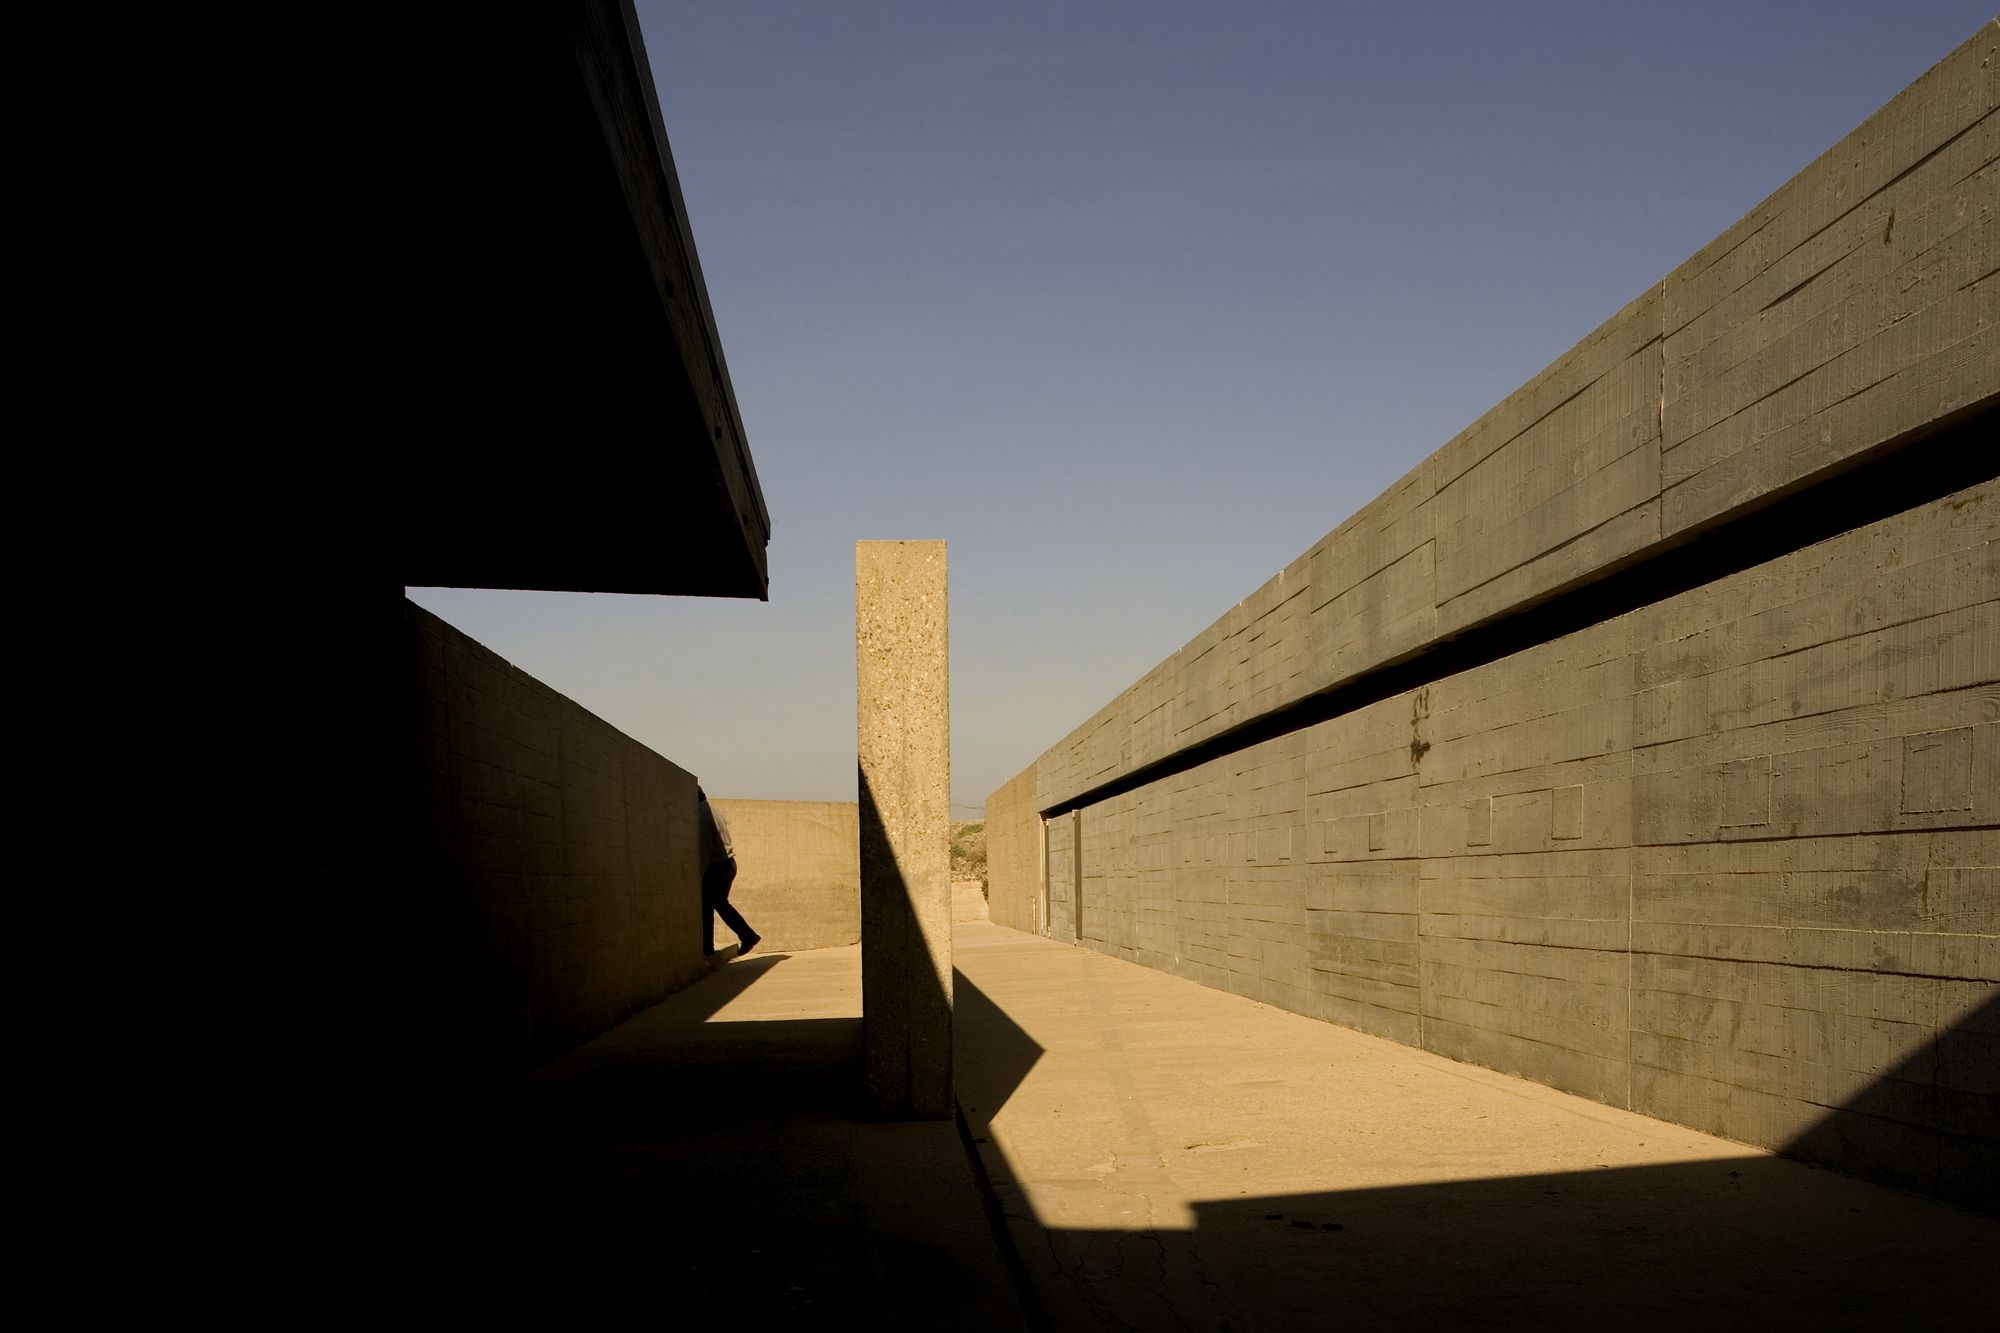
pixel 904 746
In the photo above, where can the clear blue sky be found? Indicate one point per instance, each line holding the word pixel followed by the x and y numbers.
pixel 1131 303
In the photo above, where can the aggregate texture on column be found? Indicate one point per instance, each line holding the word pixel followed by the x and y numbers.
pixel 904 750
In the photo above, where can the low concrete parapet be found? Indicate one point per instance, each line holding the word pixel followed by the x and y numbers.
pixel 968 900
pixel 798 871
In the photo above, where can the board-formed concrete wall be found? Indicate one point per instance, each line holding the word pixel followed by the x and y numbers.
pixel 1013 853
pixel 560 855
pixel 798 871
pixel 1722 852
pixel 377 846
pixel 1853 305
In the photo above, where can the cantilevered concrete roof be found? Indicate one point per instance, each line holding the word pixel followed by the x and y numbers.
pixel 594 438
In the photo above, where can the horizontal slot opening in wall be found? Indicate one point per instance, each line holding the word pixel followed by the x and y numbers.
pixel 1947 457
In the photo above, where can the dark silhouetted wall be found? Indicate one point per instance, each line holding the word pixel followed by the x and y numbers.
pixel 560 850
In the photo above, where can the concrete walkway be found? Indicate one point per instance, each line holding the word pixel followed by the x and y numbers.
pixel 1172 1157
pixel 1166 1157
pixel 709 1163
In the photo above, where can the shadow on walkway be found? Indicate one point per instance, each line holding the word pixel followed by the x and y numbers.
pixel 1728 1244
pixel 1006 1054
pixel 1132 1126
pixel 709 1162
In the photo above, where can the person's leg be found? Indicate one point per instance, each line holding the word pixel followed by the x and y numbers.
pixel 714 889
pixel 730 916
pixel 734 920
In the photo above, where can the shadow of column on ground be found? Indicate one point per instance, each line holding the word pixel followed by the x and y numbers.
pixel 1007 1053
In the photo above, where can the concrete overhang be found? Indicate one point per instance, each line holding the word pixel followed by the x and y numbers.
pixel 577 360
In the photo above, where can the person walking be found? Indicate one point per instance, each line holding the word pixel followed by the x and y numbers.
pixel 718 872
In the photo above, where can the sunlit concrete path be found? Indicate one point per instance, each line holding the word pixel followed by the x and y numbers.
pixel 1173 1157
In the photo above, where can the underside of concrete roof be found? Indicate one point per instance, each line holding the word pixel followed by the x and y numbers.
pixel 577 364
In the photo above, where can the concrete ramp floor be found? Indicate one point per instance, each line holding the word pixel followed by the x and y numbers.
pixel 1172 1157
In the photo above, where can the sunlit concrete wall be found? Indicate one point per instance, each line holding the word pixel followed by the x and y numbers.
pixel 798 871
pixel 1013 853
pixel 1726 855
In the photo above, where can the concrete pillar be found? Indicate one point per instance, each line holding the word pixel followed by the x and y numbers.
pixel 904 747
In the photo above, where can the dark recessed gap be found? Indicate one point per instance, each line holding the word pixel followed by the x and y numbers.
pixel 1948 456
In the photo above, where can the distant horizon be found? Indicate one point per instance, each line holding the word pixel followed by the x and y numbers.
pixel 1131 307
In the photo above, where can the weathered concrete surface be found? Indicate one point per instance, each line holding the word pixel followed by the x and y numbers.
pixel 1736 868
pixel 1857 301
pixel 904 745
pixel 798 871
pixel 1014 855
pixel 1171 1157
pixel 1063 840
pixel 715 1153
pixel 1855 305
pixel 1723 852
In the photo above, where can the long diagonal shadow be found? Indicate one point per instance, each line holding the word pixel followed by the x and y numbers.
pixel 1007 1053
pixel 1930 1122
pixel 727 1166
pixel 1736 1243
pixel 728 1157
pixel 908 1047
pixel 1755 1240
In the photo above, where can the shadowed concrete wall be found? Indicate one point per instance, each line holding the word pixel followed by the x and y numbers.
pixel 1548 760
pixel 798 871
pixel 386 872
pixel 379 828
pixel 560 852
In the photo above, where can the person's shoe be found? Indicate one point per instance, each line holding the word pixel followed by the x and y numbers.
pixel 747 944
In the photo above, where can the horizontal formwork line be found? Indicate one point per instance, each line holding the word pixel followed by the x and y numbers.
pixel 1851 970
pixel 1945 457
pixel 1981 827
